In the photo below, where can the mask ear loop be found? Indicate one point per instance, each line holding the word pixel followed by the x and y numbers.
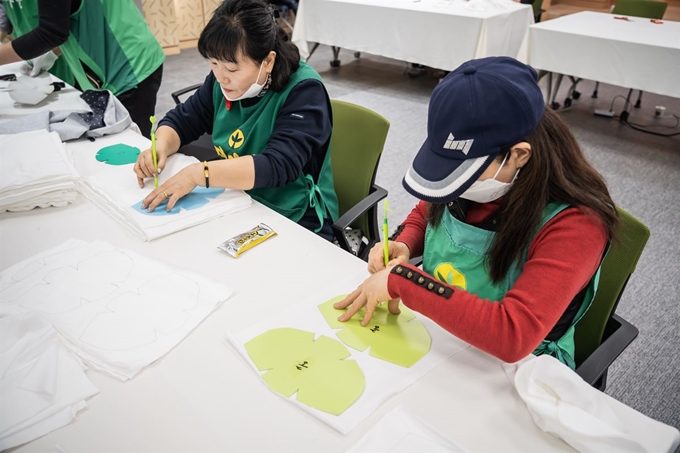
pixel 502 163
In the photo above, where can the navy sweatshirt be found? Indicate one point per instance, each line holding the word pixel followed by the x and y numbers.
pixel 295 145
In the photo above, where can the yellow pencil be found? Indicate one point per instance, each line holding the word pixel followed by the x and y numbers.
pixel 153 148
pixel 386 247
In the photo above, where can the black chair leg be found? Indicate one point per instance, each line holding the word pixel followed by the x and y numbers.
pixel 637 104
pixel 597 85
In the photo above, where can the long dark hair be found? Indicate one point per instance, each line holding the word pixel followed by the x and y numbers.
pixel 556 172
pixel 249 26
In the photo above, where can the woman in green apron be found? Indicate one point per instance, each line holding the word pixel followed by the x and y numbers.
pixel 269 116
pixel 512 225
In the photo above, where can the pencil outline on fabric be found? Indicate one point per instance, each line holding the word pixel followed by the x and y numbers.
pixel 153 148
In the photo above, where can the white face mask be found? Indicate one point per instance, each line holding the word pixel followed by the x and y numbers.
pixel 489 189
pixel 251 92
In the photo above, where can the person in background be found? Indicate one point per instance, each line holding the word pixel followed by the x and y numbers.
pixel 90 44
pixel 512 225
pixel 270 119
pixel 5 25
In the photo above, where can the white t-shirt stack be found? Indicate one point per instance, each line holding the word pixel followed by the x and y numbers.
pixel 35 172
pixel 42 384
pixel 114 189
pixel 117 310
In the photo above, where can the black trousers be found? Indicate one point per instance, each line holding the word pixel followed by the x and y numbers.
pixel 141 101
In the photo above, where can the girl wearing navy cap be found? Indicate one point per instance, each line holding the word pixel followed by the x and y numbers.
pixel 269 116
pixel 512 225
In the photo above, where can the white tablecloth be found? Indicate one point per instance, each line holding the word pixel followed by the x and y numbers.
pixel 203 396
pixel 633 54
pixel 438 33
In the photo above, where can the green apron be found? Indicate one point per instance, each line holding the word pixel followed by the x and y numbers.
pixel 455 253
pixel 243 131
pixel 110 37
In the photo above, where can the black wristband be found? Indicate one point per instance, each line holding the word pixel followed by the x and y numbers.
pixel 206 174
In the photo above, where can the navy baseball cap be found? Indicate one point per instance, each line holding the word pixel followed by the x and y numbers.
pixel 483 106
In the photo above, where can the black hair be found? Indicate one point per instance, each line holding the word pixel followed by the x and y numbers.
pixel 249 26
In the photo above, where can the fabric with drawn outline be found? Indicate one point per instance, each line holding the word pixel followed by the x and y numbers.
pixel 35 172
pixel 117 310
pixel 383 379
pixel 114 188
pixel 42 385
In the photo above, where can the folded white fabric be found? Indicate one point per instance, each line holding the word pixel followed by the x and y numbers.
pixel 117 310
pixel 115 190
pixel 35 172
pixel 400 432
pixel 563 404
pixel 42 384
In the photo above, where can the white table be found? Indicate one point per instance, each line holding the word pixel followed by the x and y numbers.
pixel 66 99
pixel 633 54
pixel 438 33
pixel 203 396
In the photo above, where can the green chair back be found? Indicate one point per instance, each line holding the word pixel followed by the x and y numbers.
pixel 619 263
pixel 536 5
pixel 357 142
pixel 640 8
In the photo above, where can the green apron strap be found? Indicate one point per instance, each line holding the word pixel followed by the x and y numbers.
pixel 316 201
pixel 554 349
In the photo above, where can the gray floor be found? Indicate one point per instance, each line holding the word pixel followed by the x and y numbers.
pixel 642 170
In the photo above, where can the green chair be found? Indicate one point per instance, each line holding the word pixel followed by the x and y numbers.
pixel 640 8
pixel 636 8
pixel 601 336
pixel 357 142
pixel 536 6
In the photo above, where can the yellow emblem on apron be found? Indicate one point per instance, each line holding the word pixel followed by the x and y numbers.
pixel 445 272
pixel 236 139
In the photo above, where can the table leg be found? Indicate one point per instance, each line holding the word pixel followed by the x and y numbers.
pixel 335 63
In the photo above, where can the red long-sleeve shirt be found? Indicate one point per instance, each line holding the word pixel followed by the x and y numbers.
pixel 562 258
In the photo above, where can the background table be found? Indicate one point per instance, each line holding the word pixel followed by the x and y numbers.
pixel 437 33
pixel 65 99
pixel 633 54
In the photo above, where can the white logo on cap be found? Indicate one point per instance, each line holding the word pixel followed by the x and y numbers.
pixel 463 145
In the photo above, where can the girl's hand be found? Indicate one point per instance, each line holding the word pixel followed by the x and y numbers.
pixel 398 253
pixel 371 293
pixel 144 166
pixel 174 188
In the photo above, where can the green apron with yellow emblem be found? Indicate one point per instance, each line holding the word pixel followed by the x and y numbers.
pixel 456 253
pixel 243 131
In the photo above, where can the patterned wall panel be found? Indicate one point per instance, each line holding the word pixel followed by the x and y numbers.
pixel 189 19
pixel 160 15
pixel 209 7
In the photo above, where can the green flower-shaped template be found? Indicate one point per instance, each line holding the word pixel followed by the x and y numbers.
pixel 394 338
pixel 316 370
pixel 120 154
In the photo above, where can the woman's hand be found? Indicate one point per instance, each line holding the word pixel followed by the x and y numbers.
pixel 174 188
pixel 144 167
pixel 371 293
pixel 398 253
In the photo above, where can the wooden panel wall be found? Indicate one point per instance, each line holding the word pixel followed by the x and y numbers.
pixel 177 24
pixel 162 20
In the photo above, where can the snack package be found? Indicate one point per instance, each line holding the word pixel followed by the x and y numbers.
pixel 245 241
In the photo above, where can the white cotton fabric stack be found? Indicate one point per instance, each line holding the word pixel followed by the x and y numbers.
pixel 114 189
pixel 116 310
pixel 42 385
pixel 35 172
